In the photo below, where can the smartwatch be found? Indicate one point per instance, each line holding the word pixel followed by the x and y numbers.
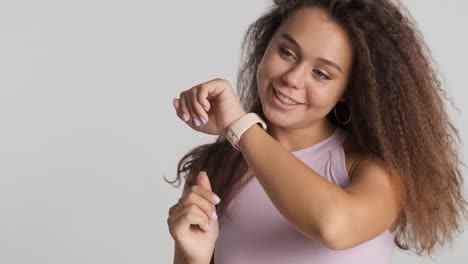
pixel 236 130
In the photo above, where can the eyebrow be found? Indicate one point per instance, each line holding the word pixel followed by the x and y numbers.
pixel 294 42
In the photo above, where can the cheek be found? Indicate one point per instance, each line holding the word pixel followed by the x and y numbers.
pixel 266 73
pixel 271 65
pixel 320 97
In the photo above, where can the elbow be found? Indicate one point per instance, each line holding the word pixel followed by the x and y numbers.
pixel 330 238
pixel 332 234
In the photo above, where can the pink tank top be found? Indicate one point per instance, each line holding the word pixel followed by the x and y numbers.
pixel 257 233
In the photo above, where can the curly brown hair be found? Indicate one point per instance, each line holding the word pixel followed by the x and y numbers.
pixel 398 116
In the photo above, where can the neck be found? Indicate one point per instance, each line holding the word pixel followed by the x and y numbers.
pixel 299 138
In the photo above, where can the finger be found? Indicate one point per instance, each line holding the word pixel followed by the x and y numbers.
pixel 205 193
pixel 181 224
pixel 183 108
pixel 189 103
pixel 198 99
pixel 215 86
pixel 204 204
pixel 176 104
pixel 190 215
pixel 203 95
pixel 203 180
pixel 174 208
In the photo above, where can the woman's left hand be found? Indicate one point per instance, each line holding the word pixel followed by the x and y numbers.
pixel 222 107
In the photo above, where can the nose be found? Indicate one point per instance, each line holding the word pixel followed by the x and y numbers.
pixel 295 76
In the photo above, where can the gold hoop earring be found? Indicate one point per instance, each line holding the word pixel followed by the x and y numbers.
pixel 336 116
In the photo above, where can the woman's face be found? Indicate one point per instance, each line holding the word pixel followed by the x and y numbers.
pixel 308 60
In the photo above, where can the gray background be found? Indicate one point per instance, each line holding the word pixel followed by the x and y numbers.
pixel 88 129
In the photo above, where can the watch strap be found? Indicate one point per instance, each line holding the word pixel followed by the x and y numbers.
pixel 236 130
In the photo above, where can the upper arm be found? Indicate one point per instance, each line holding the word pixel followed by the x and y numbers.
pixel 372 205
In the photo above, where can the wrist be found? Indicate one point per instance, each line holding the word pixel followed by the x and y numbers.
pixel 202 260
pixel 237 117
pixel 237 128
pixel 194 262
pixel 188 261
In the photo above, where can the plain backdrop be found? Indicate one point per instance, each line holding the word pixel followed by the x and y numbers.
pixel 88 130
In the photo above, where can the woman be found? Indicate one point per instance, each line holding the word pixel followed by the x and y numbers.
pixel 354 151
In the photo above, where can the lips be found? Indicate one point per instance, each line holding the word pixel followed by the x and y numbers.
pixel 279 104
pixel 287 96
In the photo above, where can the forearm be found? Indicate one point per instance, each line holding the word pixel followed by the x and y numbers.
pixel 306 199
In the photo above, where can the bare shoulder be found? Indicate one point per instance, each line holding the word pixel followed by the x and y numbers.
pixel 357 160
pixel 364 169
pixel 353 154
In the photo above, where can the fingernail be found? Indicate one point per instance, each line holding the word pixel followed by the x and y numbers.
pixel 208 226
pixel 214 215
pixel 196 122
pixel 216 199
pixel 185 117
pixel 206 108
pixel 203 120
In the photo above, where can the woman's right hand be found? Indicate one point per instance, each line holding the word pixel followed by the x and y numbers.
pixel 188 225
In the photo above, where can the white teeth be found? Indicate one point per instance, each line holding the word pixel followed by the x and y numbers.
pixel 285 99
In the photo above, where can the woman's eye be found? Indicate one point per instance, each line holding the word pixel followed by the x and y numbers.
pixel 285 52
pixel 321 75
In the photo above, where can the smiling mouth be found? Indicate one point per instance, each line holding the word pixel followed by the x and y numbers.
pixel 284 99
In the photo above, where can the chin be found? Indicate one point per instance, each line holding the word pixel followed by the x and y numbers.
pixel 278 119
